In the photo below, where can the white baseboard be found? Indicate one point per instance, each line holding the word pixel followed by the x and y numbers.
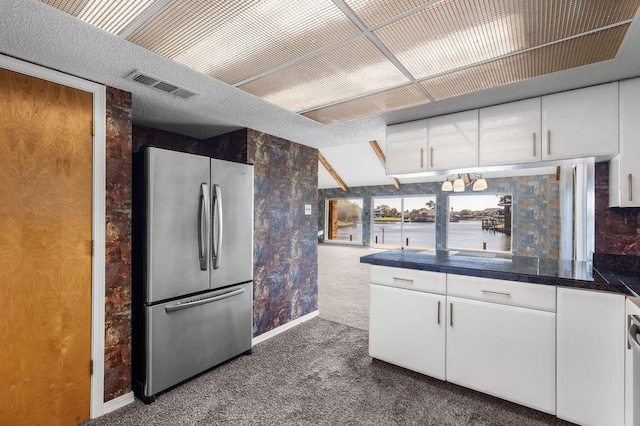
pixel 269 334
pixel 117 403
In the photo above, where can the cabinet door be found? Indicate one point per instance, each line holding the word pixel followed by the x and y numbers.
pixel 624 170
pixel 406 145
pixel 580 123
pixel 453 141
pixel 629 417
pixel 505 351
pixel 591 342
pixel 406 328
pixel 510 133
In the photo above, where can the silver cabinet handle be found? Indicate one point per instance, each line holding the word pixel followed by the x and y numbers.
pixel 421 158
pixel 629 322
pixel 438 312
pixel 534 144
pixel 504 293
pixel 204 214
pixel 630 178
pixel 451 314
pixel 431 156
pixel 217 202
pixel 548 142
pixel 403 279
pixel 187 305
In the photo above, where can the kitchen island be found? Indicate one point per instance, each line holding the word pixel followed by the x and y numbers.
pixel 547 334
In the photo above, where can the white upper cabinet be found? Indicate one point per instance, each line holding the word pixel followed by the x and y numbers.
pixel 624 170
pixel 580 123
pixel 453 141
pixel 510 133
pixel 406 148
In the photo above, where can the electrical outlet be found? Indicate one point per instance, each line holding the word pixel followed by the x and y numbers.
pixel 307 209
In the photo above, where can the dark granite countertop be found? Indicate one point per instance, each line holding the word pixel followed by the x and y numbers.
pixel 565 273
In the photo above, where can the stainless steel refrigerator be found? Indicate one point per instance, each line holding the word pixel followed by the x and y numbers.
pixel 193 279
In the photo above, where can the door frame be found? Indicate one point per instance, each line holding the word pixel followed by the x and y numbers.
pixel 98 213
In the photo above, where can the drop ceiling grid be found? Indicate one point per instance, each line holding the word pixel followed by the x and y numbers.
pixel 109 15
pixel 388 100
pixel 572 53
pixel 233 47
pixel 373 12
pixel 353 70
pixel 452 35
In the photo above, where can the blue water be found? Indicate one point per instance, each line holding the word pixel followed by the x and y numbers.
pixel 462 235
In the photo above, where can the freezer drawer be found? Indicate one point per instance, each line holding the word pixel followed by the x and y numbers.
pixel 188 336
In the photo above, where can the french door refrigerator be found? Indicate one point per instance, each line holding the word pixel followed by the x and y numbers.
pixel 193 291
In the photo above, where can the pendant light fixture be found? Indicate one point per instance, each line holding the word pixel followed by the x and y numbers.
pixel 459 183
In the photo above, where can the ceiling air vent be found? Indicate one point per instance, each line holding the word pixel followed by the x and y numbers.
pixel 158 84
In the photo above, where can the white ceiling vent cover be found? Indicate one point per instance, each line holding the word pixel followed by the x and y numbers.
pixel 163 86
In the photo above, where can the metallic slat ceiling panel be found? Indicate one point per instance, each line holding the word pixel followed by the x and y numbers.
pixel 110 15
pixel 235 40
pixel 374 12
pixel 576 52
pixel 355 69
pixel 453 34
pixel 401 97
pixel 309 57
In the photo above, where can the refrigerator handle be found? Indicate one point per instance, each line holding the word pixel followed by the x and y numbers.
pixel 203 226
pixel 217 202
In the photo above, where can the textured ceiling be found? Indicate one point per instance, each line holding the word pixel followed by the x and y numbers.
pixel 35 32
pixel 326 58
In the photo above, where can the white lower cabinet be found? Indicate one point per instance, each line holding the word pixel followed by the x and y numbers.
pixel 631 418
pixel 590 357
pixel 561 351
pixel 501 350
pixel 406 328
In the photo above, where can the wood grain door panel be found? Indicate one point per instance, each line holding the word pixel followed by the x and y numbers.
pixel 45 251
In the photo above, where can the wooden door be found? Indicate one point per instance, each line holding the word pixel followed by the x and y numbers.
pixel 45 251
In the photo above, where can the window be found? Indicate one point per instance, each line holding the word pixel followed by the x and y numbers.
pixel 404 222
pixel 344 220
pixel 480 223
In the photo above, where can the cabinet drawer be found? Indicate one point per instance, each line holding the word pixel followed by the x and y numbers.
pixel 533 296
pixel 431 282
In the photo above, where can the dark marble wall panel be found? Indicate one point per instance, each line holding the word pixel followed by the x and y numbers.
pixel 285 243
pixel 617 229
pixel 117 374
pixel 146 136
pixel 536 218
pixel 230 146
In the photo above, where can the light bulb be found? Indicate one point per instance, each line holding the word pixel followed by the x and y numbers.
pixel 458 185
pixel 480 184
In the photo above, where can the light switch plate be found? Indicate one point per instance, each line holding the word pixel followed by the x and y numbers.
pixel 307 209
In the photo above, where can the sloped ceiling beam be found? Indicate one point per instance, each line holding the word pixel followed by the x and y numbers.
pixel 332 172
pixel 383 160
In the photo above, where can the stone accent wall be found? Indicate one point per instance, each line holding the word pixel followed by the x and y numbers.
pixel 285 242
pixel 536 211
pixel 117 368
pixel 617 229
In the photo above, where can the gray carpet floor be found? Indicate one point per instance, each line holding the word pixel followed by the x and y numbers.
pixel 343 284
pixel 319 373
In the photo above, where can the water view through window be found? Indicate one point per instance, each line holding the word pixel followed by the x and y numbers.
pixel 479 222
pixel 476 222
pixel 408 222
